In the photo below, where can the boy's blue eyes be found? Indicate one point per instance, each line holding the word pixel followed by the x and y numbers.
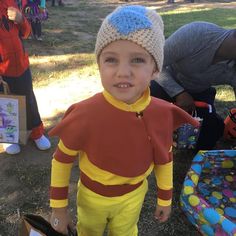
pixel 133 60
pixel 110 60
pixel 138 60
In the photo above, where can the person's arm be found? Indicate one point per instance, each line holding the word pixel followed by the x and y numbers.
pixel 163 161
pixel 60 176
pixel 181 97
pixel 168 83
pixel 15 15
pixel 164 179
pixel 178 47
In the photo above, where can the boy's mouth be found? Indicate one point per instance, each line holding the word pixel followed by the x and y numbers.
pixel 123 85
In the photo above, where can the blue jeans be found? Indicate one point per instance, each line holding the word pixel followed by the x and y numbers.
pixel 22 85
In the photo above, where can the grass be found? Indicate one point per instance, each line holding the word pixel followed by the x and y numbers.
pixel 48 69
pixel 64 71
pixel 176 18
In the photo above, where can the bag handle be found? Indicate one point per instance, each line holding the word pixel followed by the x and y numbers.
pixel 194 113
pixel 203 105
pixel 6 89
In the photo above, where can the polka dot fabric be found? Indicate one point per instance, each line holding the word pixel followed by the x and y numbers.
pixel 208 196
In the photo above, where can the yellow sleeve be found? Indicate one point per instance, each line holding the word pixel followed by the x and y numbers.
pixel 60 175
pixel 164 178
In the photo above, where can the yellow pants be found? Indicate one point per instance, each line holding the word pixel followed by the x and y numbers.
pixel 119 214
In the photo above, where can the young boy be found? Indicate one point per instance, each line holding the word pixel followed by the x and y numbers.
pixel 121 134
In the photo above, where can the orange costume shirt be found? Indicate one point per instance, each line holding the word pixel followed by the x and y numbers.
pixel 118 146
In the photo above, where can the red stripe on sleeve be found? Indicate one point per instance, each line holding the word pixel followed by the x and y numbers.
pixel 62 157
pixel 164 194
pixel 58 193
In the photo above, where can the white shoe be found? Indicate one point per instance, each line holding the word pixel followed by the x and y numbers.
pixel 42 143
pixel 11 148
pixel 39 38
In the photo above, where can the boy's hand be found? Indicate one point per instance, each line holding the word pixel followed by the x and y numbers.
pixel 162 213
pixel 60 220
pixel 14 14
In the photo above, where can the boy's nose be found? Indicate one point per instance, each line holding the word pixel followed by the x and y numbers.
pixel 124 70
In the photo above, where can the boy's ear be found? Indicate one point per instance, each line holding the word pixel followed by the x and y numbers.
pixel 155 74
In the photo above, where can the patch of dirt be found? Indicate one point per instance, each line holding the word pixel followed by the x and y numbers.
pixel 24 178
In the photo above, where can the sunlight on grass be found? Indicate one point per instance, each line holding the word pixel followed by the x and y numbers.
pixel 70 91
pixel 50 69
pixel 225 93
pixel 184 10
pixel 65 58
pixel 77 80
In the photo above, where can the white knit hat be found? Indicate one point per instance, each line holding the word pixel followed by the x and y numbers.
pixel 137 24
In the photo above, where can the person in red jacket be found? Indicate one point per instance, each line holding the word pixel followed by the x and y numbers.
pixel 14 69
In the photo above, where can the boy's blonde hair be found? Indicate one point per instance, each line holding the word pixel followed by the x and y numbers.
pixel 137 24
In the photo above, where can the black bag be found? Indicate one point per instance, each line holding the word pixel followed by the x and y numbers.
pixel 37 225
pixel 212 128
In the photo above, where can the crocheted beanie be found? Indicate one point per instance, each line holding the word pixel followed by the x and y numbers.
pixel 137 24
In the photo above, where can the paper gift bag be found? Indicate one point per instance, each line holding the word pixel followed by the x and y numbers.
pixel 35 225
pixel 27 229
pixel 12 117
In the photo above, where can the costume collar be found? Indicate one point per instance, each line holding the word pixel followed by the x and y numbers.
pixel 138 106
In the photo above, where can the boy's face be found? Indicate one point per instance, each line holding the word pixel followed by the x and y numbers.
pixel 126 70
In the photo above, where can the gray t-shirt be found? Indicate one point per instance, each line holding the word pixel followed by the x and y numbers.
pixel 188 57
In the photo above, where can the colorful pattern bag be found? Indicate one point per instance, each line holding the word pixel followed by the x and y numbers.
pixel 186 136
pixel 13 127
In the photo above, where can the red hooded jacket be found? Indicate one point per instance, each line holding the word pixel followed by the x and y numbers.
pixel 13 58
